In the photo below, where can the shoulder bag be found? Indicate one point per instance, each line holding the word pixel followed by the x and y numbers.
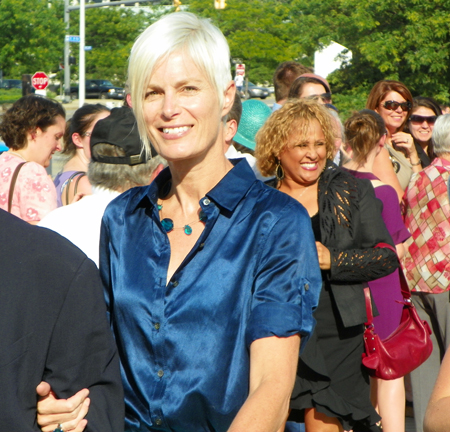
pixel 78 176
pixel 406 348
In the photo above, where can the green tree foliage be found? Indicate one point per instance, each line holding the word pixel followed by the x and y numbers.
pixel 259 32
pixel 111 32
pixel 31 36
pixel 405 40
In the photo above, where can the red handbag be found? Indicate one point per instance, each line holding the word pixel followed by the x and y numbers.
pixel 406 348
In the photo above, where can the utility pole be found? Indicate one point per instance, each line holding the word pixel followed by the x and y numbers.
pixel 66 55
pixel 82 7
pixel 82 70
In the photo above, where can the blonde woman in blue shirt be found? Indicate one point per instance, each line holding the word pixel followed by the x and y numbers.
pixel 208 290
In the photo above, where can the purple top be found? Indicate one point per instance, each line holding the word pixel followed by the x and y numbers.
pixel 386 290
pixel 60 182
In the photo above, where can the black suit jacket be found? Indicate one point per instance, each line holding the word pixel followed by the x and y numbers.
pixel 53 328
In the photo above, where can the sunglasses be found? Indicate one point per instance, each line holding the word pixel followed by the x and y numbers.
pixel 326 97
pixel 393 105
pixel 418 119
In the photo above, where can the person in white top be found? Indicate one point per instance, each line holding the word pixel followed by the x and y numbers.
pixel 116 166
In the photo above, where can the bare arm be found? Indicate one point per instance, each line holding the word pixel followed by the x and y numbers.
pixel 437 416
pixel 384 170
pixel 273 365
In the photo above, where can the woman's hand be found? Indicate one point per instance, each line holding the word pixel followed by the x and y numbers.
pixel 68 412
pixel 404 141
pixel 324 256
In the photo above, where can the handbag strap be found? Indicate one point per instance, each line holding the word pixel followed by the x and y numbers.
pixel 13 184
pixel 369 311
pixel 69 181
pixel 403 284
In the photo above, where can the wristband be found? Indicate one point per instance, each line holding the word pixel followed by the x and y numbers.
pixel 416 164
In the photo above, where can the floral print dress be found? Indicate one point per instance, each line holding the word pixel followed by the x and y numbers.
pixel 34 191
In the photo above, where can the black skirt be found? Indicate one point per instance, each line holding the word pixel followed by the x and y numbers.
pixel 330 376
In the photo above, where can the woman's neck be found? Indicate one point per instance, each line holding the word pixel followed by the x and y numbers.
pixel 191 182
pixel 365 166
pixel 19 153
pixel 79 162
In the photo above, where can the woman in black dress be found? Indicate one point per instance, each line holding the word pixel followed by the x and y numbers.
pixel 332 390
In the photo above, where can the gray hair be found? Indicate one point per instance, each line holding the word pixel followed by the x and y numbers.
pixel 338 120
pixel 441 135
pixel 120 177
pixel 180 31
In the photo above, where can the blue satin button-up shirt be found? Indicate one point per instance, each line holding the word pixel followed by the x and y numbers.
pixel 184 345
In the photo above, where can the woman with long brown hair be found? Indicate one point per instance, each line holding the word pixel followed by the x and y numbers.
pixel 393 101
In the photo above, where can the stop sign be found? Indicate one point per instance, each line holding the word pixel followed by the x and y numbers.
pixel 240 69
pixel 39 80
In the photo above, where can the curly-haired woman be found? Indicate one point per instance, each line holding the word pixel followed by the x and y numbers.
pixel 32 129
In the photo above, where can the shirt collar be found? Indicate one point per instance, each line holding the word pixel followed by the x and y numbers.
pixel 226 194
pixel 441 162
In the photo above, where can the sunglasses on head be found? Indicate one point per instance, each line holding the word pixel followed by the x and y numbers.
pixel 418 119
pixel 393 105
pixel 326 97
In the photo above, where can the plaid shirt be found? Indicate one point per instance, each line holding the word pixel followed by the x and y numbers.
pixel 427 216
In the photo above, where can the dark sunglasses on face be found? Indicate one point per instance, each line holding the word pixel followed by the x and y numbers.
pixel 418 119
pixel 393 105
pixel 326 97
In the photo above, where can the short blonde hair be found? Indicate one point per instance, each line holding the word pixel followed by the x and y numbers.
pixel 294 115
pixel 178 32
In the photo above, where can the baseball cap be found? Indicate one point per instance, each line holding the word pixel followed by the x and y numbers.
pixel 119 129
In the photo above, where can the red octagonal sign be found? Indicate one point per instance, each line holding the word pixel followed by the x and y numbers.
pixel 39 80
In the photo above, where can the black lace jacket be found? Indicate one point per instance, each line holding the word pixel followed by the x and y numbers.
pixel 350 226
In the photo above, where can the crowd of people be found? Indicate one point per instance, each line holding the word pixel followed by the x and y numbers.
pixel 233 243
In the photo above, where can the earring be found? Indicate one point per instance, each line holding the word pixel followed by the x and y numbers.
pixel 279 171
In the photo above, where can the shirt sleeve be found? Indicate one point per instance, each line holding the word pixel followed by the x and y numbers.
pixel 34 192
pixel 288 279
pixel 82 353
pixel 365 263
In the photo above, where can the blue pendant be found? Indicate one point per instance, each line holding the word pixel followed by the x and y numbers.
pixel 167 224
pixel 187 230
pixel 159 207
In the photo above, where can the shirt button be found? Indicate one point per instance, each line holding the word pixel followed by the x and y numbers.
pixel 160 373
pixel 206 202
pixel 158 422
pixel 157 326
pixel 306 287
pixel 201 246
pixel 175 283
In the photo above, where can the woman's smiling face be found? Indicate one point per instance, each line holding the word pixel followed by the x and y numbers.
pixel 182 109
pixel 304 157
pixel 393 119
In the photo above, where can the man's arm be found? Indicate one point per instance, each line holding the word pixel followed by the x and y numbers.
pixel 273 366
pixel 93 365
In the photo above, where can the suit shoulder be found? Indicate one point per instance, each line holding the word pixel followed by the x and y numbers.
pixel 21 241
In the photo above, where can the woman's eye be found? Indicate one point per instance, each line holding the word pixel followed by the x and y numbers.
pixel 320 143
pixel 150 93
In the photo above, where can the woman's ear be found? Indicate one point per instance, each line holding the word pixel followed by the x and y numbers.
pixel 76 139
pixel 228 99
